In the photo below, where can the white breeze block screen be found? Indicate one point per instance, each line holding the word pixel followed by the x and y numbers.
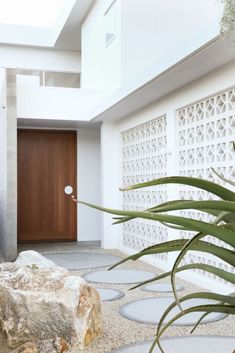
pixel 205 132
pixel 144 158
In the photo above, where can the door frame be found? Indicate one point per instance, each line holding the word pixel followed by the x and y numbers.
pixel 41 129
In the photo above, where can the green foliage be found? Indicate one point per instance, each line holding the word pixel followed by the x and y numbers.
pixel 33 267
pixel 227 23
pixel 222 228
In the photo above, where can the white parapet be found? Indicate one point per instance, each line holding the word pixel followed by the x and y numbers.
pixel 38 102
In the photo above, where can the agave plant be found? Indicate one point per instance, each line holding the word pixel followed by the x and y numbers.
pixel 222 227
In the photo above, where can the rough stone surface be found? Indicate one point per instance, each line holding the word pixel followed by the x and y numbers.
pixel 34 259
pixel 42 305
pixel 28 348
pixel 117 331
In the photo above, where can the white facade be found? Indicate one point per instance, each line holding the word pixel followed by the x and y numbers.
pixel 162 30
pixel 89 183
pixel 157 98
pixel 177 141
pixel 101 65
pixel 146 34
pixel 39 59
pixel 55 103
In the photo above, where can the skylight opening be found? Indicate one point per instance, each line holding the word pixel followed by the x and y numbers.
pixel 31 13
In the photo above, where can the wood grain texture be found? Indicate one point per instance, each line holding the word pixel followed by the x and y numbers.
pixel 47 162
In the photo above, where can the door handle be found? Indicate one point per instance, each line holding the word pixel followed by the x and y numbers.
pixel 68 190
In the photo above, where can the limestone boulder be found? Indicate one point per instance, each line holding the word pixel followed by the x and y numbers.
pixel 42 305
pixel 34 260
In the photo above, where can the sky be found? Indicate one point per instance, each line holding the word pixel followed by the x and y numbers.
pixel 35 13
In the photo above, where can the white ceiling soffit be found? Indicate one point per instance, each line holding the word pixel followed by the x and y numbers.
pixel 70 36
pixel 55 124
pixel 38 35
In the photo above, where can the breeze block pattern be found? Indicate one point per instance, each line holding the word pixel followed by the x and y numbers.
pixel 205 135
pixel 144 158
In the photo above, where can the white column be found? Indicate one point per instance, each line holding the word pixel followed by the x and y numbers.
pixel 110 182
pixel 172 189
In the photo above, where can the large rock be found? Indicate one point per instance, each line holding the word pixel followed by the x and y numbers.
pixel 42 305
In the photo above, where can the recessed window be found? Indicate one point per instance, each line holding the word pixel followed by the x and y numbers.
pixel 110 23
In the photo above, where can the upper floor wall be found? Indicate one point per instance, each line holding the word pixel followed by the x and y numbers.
pixel 121 39
pixel 164 31
pixel 101 57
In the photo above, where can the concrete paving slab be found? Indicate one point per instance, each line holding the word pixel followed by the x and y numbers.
pixel 82 260
pixel 108 295
pixel 161 287
pixel 192 344
pixel 150 310
pixel 118 276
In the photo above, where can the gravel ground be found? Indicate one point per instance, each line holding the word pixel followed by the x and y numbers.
pixel 118 331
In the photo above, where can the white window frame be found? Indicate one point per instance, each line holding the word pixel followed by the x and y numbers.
pixel 110 23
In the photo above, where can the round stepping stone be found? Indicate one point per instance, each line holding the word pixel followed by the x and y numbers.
pixel 118 276
pixel 192 344
pixel 161 287
pixel 108 295
pixel 82 260
pixel 150 310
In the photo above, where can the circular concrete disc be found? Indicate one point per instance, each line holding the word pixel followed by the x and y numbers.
pixel 108 295
pixel 192 344
pixel 161 287
pixel 118 276
pixel 82 260
pixel 150 310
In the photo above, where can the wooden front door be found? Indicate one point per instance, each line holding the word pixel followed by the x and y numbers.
pixel 46 164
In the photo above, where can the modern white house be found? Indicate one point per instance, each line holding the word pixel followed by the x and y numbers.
pixel 104 94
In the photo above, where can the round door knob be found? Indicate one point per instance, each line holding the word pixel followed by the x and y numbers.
pixel 68 190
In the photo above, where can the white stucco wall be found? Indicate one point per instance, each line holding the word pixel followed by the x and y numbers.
pixel 207 85
pixel 110 182
pixel 89 183
pixel 154 30
pixel 37 102
pixel 39 59
pixel 210 84
pixel 101 65
pixel 147 34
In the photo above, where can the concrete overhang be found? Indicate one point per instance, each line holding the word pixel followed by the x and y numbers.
pixel 55 124
pixel 159 82
pixel 64 34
